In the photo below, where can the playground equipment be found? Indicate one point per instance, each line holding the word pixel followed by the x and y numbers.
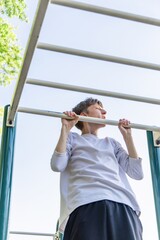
pixel 9 127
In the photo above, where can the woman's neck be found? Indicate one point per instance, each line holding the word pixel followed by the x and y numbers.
pixel 89 130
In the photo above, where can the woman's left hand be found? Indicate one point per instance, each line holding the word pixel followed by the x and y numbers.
pixel 124 127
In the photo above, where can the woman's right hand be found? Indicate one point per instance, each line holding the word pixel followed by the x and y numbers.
pixel 69 123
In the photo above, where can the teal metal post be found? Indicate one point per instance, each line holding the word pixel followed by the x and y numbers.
pixel 60 235
pixel 6 166
pixel 154 153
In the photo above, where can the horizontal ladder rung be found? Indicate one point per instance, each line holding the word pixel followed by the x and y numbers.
pixel 107 11
pixel 98 56
pixel 92 91
pixel 32 233
pixel 85 119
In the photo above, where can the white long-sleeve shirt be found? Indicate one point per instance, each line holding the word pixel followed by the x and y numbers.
pixel 94 169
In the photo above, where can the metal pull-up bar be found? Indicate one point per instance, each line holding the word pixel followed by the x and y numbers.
pixel 107 11
pixel 98 56
pixel 85 119
pixel 93 91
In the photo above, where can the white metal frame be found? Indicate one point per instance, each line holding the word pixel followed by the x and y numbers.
pixel 43 4
pixel 36 27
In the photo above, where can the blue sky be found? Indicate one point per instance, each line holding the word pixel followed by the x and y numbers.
pixel 35 193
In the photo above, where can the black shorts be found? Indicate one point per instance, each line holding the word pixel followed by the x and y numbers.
pixel 103 220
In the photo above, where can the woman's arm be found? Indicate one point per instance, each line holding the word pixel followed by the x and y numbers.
pixel 66 127
pixel 127 136
pixel 59 158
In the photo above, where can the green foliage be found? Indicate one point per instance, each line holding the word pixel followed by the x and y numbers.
pixel 1 111
pixel 10 53
pixel 13 8
pixel 1 118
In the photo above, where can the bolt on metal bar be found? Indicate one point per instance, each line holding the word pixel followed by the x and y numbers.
pixel 98 56
pixel 92 91
pixel 85 119
pixel 107 11
pixel 36 27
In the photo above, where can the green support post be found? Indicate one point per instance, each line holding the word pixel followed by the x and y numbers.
pixel 60 235
pixel 154 153
pixel 6 166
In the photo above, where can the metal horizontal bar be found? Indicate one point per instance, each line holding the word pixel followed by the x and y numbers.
pixel 107 11
pixel 36 27
pixel 32 233
pixel 85 119
pixel 98 56
pixel 92 91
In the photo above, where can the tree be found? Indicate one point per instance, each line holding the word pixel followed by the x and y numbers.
pixel 1 114
pixel 10 51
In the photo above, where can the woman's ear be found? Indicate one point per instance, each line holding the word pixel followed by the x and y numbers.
pixel 83 114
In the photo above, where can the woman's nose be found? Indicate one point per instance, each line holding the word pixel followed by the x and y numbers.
pixel 104 111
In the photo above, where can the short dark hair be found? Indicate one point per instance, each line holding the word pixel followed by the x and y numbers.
pixel 82 107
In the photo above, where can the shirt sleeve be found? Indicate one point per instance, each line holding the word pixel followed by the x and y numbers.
pixel 59 161
pixel 132 166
